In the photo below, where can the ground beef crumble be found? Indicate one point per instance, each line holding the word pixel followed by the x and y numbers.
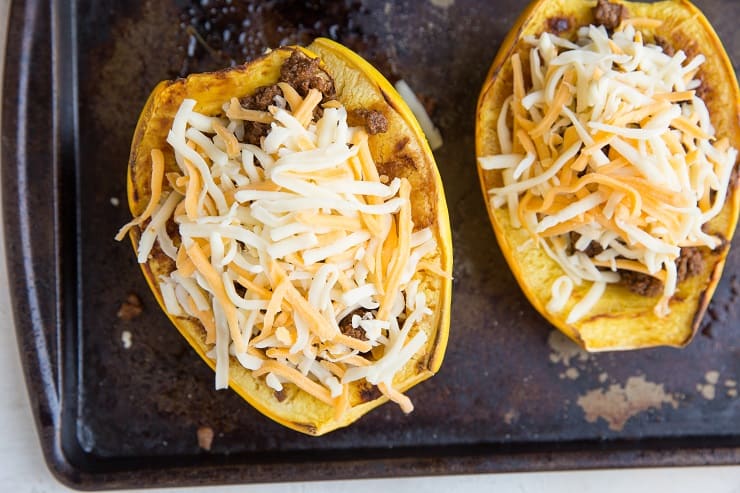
pixel 374 121
pixel 299 71
pixel 593 248
pixel 690 263
pixel 345 325
pixel 262 98
pixel 640 283
pixel 608 14
pixel 667 47
pixel 304 73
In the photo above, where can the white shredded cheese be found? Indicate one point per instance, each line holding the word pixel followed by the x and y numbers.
pixel 664 176
pixel 281 241
pixel 432 133
pixel 560 293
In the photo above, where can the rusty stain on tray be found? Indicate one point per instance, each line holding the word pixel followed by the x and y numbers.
pixel 618 403
pixel 615 403
pixel 564 350
pixel 443 4
pixel 711 386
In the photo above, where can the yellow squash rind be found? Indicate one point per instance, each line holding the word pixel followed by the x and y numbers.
pixel 358 84
pixel 621 319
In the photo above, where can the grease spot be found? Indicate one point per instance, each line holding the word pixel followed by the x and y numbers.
pixel 511 416
pixel 618 404
pixel 563 349
pixel 443 4
pixel 707 391
pixel 712 377
pixel 570 373
pixel 205 437
pixel 708 388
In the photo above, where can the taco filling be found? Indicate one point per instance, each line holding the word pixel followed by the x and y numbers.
pixel 609 161
pixel 296 256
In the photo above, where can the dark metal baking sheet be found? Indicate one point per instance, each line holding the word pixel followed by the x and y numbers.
pixel 511 394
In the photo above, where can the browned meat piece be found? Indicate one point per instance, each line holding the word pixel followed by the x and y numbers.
pixel 304 73
pixel 299 71
pixel 254 131
pixel 130 308
pixel 346 325
pixel 592 249
pixel 262 98
pixel 640 283
pixel 374 121
pixel 402 165
pixel 689 263
pixel 369 392
pixel 608 14
pixel 663 43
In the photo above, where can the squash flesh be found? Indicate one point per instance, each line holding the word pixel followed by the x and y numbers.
pixel 621 319
pixel 358 85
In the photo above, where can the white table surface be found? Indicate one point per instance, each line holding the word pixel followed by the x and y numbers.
pixel 22 468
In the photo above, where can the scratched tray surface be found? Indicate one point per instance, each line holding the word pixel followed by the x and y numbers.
pixel 135 394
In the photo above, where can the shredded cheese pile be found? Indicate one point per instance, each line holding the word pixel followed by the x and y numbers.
pixel 606 138
pixel 278 243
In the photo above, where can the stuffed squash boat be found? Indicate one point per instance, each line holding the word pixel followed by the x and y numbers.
pixel 607 137
pixel 291 222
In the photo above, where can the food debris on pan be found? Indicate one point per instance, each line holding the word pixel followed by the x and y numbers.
pixel 220 33
pixel 617 404
pixel 205 437
pixel 131 308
